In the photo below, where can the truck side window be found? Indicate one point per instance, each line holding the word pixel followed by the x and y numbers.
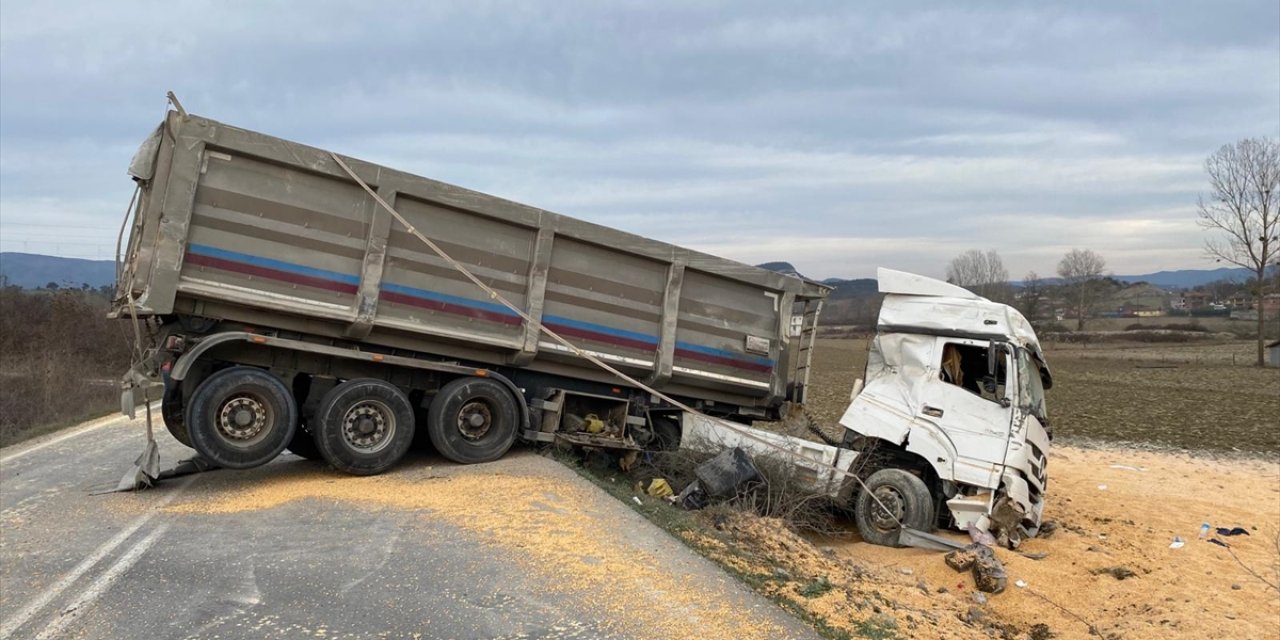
pixel 966 367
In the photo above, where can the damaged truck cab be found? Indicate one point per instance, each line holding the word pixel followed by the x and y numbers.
pixel 948 430
pixel 950 423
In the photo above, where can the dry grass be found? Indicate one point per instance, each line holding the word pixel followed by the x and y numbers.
pixel 59 360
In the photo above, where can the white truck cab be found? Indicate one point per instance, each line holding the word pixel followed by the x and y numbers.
pixel 954 392
pixel 949 427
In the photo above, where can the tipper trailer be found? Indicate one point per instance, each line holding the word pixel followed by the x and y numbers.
pixel 289 298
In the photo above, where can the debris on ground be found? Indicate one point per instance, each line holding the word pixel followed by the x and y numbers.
pixel 656 487
pixel 816 587
pixel 1119 573
pixel 1236 531
pixel 988 572
pixel 1127 467
pixel 963 559
pixel 979 536
pixel 722 476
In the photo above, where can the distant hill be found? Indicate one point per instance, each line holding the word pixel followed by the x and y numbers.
pixel 30 270
pixel 781 267
pixel 1189 278
pixel 856 288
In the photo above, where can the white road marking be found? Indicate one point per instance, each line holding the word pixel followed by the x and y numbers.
pixel 71 433
pixel 40 602
pixel 100 586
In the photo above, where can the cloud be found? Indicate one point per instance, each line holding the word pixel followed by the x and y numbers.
pixel 837 137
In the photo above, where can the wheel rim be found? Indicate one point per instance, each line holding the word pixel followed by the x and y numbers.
pixel 368 426
pixel 887 520
pixel 475 418
pixel 244 419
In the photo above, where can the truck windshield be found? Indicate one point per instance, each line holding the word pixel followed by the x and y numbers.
pixel 1030 385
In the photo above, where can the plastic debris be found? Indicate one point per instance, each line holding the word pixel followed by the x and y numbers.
pixel 691 497
pixel 721 476
pixel 1021 584
pixel 1204 531
pixel 1102 487
pixel 1219 543
pixel 1177 543
pixel 979 536
pixel 637 501
pixel 659 488
pixel 1236 531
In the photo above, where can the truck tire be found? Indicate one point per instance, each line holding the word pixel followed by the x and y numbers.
pixel 241 417
pixel 473 420
pixel 303 444
pixel 904 494
pixel 363 426
pixel 171 412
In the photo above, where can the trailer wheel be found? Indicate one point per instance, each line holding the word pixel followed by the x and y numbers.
pixel 473 420
pixel 363 426
pixel 241 417
pixel 171 412
pixel 907 499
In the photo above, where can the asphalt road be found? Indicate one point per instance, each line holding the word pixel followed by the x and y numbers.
pixel 519 548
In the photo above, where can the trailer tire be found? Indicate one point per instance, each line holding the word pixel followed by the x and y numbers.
pixel 171 412
pixel 241 417
pixel 904 494
pixel 363 427
pixel 473 420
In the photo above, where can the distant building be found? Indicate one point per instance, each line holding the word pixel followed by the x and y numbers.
pixel 1191 300
pixel 1139 300
pixel 1271 305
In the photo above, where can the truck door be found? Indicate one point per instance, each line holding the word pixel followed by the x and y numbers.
pixel 966 402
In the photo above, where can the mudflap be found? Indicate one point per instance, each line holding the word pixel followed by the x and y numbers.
pixel 139 478
pixel 146 472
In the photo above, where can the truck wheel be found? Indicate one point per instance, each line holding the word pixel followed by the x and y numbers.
pixel 171 411
pixel 241 417
pixel 363 427
pixel 473 420
pixel 907 499
pixel 303 444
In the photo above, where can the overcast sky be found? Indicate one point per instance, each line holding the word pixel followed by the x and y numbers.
pixel 834 136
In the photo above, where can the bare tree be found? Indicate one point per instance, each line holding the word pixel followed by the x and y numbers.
pixel 981 273
pixel 1243 212
pixel 1081 270
pixel 1031 297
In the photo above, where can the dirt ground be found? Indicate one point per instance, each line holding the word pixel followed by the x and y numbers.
pixel 1121 509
